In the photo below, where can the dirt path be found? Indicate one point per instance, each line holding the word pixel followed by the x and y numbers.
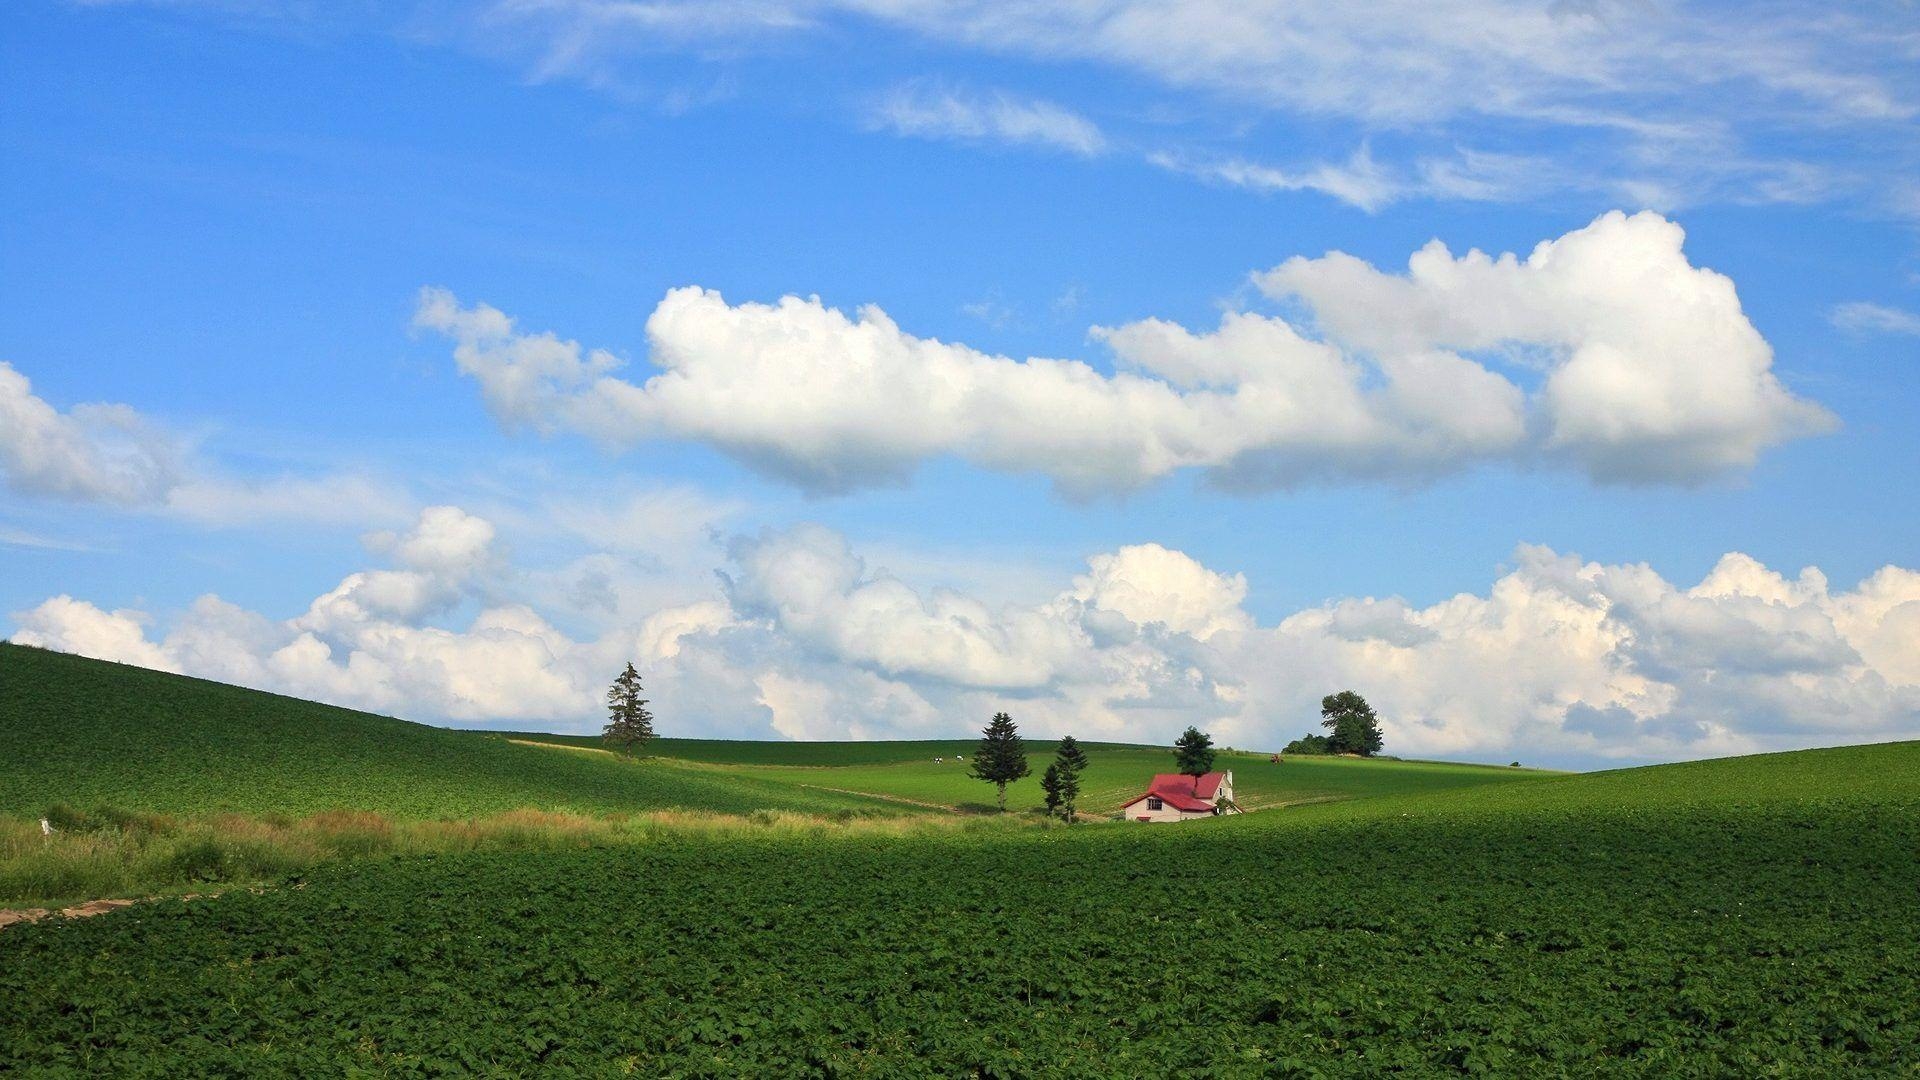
pixel 9 916
pixel 886 798
pixel 562 746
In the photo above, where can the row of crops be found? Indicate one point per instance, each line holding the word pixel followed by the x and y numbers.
pixel 1768 941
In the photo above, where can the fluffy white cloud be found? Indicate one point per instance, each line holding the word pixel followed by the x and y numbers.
pixel 440 557
pixel 112 455
pixel 934 112
pixel 811 585
pixel 1560 660
pixel 1151 585
pixel 1647 370
pixel 1651 370
pixel 61 622
pixel 96 453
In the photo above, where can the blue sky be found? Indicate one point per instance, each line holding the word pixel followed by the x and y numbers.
pixel 221 218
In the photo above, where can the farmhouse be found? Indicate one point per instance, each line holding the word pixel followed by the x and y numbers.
pixel 1179 797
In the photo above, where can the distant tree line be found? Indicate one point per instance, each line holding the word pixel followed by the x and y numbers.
pixel 1352 728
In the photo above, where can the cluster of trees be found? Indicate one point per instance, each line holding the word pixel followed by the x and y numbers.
pixel 1352 728
pixel 1061 782
pixel 1001 759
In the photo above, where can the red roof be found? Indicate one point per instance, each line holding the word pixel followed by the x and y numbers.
pixel 1183 792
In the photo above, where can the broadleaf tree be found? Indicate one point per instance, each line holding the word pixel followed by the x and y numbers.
pixel 629 724
pixel 1002 756
pixel 1355 729
pixel 1193 750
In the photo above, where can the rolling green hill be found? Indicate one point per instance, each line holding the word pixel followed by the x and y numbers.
pixel 799 754
pixel 1118 773
pixel 88 733
pixel 1746 917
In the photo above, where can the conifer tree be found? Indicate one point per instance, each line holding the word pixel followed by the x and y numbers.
pixel 1194 752
pixel 1002 756
pixel 1053 783
pixel 629 724
pixel 1068 762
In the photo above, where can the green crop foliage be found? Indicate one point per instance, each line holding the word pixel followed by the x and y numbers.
pixel 1747 917
pixel 1780 937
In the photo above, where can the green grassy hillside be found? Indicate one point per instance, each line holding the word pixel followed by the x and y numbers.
pixel 1749 917
pixel 1117 773
pixel 89 733
pixel 802 754
pixel 86 733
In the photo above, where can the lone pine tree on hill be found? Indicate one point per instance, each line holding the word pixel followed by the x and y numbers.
pixel 629 724
pixel 1356 730
pixel 1002 756
pixel 1194 751
pixel 1061 782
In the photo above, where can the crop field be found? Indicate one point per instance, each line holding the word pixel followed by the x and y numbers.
pixel 1774 936
pixel 1744 917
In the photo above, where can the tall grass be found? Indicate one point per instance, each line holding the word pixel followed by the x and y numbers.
pixel 111 853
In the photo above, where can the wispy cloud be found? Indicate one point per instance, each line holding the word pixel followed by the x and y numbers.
pixel 1360 181
pixel 929 111
pixel 21 538
pixel 1663 105
pixel 1862 317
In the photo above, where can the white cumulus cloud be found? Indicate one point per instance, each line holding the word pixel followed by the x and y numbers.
pixel 92 452
pixel 1558 660
pixel 111 454
pixel 1605 351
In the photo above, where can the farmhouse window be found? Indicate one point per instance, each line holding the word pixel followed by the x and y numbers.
pixel 1154 803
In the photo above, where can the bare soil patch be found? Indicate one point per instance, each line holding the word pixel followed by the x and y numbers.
pixel 9 916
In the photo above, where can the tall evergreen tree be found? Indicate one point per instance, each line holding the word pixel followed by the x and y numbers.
pixel 1068 762
pixel 1071 756
pixel 1356 730
pixel 1002 756
pixel 629 724
pixel 1053 784
pixel 1194 751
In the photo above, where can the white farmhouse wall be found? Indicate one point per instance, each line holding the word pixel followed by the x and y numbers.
pixel 1137 810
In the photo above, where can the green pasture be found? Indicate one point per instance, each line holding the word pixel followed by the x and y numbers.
pixel 88 733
